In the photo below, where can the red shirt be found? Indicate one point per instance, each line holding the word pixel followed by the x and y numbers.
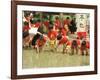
pixel 78 42
pixel 52 34
pixel 37 25
pixel 63 40
pixel 46 23
pixel 68 43
pixel 57 24
pixel 88 44
pixel 67 22
pixel 41 42
pixel 64 32
pixel 26 28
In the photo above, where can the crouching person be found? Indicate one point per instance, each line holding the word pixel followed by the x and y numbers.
pixel 68 47
pixel 75 45
pixel 62 40
pixel 85 47
pixel 52 34
pixel 40 43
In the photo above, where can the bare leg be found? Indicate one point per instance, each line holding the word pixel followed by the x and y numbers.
pixel 77 50
pixel 87 52
pixel 72 51
pixel 82 52
pixel 64 48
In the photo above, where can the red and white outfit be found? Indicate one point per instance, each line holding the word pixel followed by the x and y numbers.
pixel 34 28
pixel 81 32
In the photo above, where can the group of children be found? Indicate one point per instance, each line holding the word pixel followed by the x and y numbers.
pixel 71 46
pixel 35 37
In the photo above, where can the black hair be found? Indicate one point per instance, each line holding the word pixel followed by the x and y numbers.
pixel 56 17
pixel 83 42
pixel 67 18
pixel 77 37
pixel 33 21
pixel 74 42
pixel 59 36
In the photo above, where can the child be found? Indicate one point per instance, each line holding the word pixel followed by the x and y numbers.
pixel 67 21
pixel 36 31
pixel 85 45
pixel 68 46
pixel 62 40
pixel 72 26
pixel 52 34
pixel 63 30
pixel 75 45
pixel 40 43
pixel 57 23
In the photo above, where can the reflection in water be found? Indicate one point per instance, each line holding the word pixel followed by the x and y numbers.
pixel 84 60
pixel 48 59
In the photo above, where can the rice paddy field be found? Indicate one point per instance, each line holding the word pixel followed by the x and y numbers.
pixel 47 58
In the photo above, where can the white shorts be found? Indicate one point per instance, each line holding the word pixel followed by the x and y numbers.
pixel 33 31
